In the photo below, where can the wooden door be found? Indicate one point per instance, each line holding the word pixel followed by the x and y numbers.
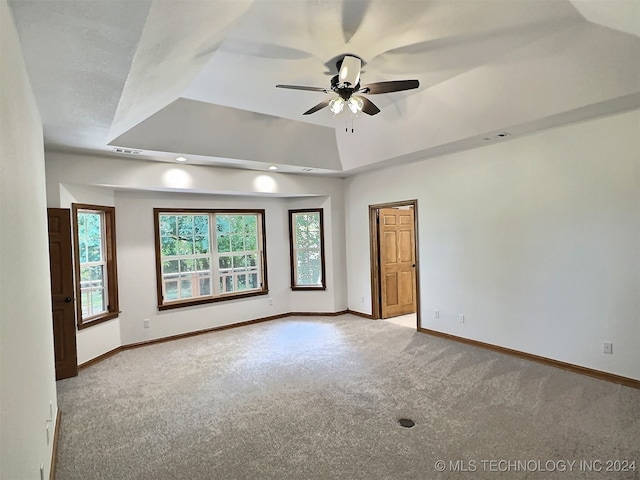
pixel 62 292
pixel 396 232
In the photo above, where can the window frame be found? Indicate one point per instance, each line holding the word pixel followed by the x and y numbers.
pixel 262 248
pixel 111 267
pixel 293 249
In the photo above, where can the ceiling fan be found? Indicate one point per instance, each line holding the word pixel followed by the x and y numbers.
pixel 348 89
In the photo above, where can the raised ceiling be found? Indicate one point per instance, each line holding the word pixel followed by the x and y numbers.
pixel 197 78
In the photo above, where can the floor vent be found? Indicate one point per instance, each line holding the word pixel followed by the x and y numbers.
pixel 406 422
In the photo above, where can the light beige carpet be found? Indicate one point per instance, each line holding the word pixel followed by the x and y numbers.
pixel 320 398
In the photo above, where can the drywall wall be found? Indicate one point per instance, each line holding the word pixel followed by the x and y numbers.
pixel 535 240
pixel 137 274
pixel 103 337
pixel 137 271
pixel 26 333
pixel 139 186
pixel 336 292
pixel 134 174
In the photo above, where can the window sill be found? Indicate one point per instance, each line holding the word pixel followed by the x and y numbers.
pixel 310 287
pixel 205 300
pixel 90 322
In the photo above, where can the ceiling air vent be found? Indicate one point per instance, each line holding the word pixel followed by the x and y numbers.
pixel 127 151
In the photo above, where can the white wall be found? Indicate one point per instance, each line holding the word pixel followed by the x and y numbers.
pixel 26 333
pixel 336 292
pixel 535 240
pixel 139 186
pixel 103 337
pixel 137 275
pixel 137 271
pixel 134 174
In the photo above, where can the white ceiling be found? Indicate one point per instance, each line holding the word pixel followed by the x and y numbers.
pixel 197 78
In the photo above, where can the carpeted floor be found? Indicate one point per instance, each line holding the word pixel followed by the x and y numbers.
pixel 320 398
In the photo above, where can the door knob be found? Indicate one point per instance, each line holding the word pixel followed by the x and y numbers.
pixel 67 300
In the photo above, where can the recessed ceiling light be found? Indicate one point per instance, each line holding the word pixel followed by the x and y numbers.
pixel 273 167
pixel 181 159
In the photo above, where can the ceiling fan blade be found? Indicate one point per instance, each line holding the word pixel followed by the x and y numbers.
pixel 388 87
pixel 368 106
pixel 319 106
pixel 301 87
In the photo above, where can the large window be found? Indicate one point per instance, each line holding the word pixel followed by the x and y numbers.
pixel 307 249
pixel 95 264
pixel 206 256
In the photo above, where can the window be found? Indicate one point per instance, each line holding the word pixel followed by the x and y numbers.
pixel 96 275
pixel 307 249
pixel 205 256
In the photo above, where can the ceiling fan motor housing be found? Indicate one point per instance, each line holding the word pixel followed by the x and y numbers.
pixel 349 74
pixel 344 91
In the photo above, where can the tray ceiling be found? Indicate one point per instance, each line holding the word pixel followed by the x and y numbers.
pixel 197 78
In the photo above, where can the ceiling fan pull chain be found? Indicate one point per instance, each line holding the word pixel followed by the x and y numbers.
pixel 352 126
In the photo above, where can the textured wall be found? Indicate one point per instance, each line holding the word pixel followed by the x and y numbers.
pixel 26 334
pixel 135 187
pixel 104 337
pixel 535 240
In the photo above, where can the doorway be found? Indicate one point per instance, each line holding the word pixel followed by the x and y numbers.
pixel 395 279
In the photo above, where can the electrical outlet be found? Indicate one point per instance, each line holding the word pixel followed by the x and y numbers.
pixel 51 410
pixel 436 314
pixel 607 347
pixel 271 302
pixel 362 299
pixel 461 318
pixel 42 471
pixel 146 322
pixel 47 433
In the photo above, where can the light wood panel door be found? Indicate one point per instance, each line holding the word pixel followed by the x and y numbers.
pixel 397 261
pixel 62 291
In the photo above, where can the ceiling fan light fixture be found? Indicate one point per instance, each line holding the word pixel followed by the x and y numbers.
pixel 336 105
pixel 355 104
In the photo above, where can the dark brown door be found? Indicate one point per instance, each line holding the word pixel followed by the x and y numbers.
pixel 62 292
pixel 397 262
